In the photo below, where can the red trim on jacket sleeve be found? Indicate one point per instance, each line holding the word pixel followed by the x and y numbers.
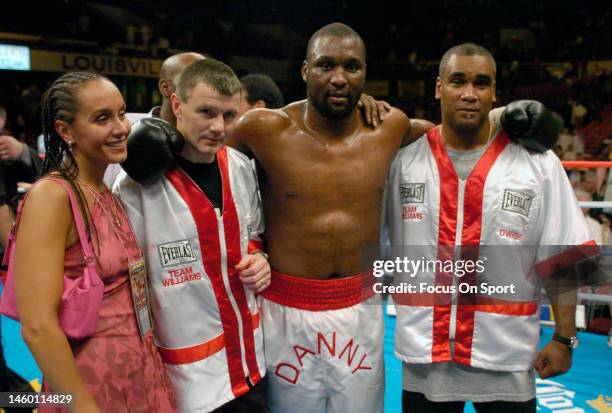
pixel 255 245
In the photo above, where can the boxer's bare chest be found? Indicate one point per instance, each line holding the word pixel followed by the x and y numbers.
pixel 305 168
pixel 321 198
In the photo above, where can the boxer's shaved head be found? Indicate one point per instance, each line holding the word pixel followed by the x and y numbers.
pixel 466 49
pixel 339 30
pixel 334 65
pixel 172 68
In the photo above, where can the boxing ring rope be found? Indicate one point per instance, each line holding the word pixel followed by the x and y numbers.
pixel 606 251
pixel 586 164
pixel 596 204
pixel 590 165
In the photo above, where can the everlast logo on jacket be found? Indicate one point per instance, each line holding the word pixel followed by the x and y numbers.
pixel 175 253
pixel 518 202
pixel 412 193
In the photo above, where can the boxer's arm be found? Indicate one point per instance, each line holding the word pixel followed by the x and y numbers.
pixel 556 358
pixel 253 268
pixel 564 243
pixel 495 117
pixel 397 124
pixel 256 127
pixel 562 292
pixel 416 129
pixel 246 131
pixel 256 225
pixel 239 138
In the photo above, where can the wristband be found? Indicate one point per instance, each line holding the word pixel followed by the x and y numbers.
pixel 260 253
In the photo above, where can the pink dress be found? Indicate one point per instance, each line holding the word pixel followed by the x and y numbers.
pixel 123 372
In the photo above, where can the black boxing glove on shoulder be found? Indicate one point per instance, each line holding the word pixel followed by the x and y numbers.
pixel 530 124
pixel 152 147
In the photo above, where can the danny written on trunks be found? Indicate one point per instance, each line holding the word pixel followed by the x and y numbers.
pixel 329 352
pixel 332 345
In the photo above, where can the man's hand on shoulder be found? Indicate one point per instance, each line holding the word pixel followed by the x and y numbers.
pixel 374 111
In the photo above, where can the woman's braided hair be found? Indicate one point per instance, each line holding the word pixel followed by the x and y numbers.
pixel 61 102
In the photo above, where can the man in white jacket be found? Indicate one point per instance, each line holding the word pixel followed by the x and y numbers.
pixel 199 226
pixel 464 194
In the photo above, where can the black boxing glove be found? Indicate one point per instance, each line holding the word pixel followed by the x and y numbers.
pixel 530 124
pixel 152 148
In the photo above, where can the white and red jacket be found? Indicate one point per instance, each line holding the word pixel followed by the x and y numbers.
pixel 517 212
pixel 206 324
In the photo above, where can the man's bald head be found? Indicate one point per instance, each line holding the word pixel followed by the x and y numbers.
pixel 172 68
pixel 465 49
pixel 338 30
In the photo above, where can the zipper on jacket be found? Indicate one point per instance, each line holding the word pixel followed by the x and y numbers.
pixel 228 289
pixel 457 255
pixel 224 274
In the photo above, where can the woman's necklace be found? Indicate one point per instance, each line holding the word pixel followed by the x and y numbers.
pixel 100 199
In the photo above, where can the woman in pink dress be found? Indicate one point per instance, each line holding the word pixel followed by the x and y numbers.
pixel 115 369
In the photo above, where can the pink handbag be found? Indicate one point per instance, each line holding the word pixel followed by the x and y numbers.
pixel 82 296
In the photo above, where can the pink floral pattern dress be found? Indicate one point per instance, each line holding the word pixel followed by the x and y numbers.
pixel 123 372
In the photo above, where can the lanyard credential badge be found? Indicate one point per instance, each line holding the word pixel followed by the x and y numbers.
pixel 140 295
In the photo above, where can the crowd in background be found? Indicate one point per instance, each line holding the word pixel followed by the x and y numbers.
pixel 567 30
